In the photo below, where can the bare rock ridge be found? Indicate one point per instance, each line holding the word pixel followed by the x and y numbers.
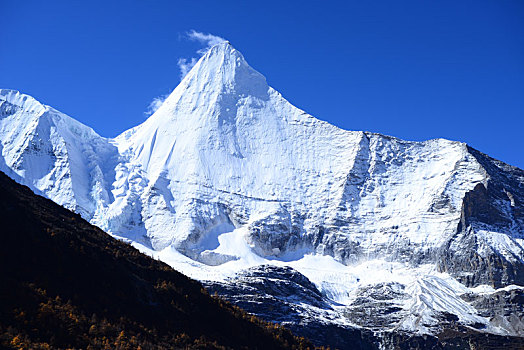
pixel 227 175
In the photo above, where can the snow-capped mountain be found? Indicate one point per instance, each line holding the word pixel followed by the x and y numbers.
pixel 54 154
pixel 227 177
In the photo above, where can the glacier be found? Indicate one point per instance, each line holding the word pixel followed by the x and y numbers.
pixel 227 181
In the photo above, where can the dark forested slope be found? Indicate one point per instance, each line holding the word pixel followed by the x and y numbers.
pixel 67 284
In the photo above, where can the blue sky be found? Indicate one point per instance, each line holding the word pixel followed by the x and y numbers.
pixel 412 69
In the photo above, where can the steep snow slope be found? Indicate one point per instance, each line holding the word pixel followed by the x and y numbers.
pixel 54 154
pixel 227 175
pixel 223 137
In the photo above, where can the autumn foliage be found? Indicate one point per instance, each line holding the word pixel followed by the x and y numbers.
pixel 68 285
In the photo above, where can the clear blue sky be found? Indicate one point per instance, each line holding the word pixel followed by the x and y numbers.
pixel 412 69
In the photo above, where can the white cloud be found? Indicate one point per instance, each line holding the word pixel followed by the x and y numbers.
pixel 185 64
pixel 207 40
pixel 155 104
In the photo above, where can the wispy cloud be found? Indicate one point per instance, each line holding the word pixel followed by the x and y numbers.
pixel 155 104
pixel 207 41
pixel 185 65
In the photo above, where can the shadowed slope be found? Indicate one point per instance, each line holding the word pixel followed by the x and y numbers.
pixel 66 283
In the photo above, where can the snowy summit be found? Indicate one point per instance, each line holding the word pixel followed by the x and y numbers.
pixel 227 176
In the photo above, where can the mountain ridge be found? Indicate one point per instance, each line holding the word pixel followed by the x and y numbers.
pixel 68 284
pixel 227 175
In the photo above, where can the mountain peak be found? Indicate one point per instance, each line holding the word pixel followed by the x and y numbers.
pixel 202 112
pixel 210 91
pixel 227 175
pixel 223 48
pixel 10 99
pixel 224 45
pixel 223 69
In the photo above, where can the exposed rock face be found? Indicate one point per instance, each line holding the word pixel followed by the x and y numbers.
pixel 378 307
pixel 284 295
pixel 273 291
pixel 481 252
pixel 227 175
pixel 504 308
pixel 371 321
